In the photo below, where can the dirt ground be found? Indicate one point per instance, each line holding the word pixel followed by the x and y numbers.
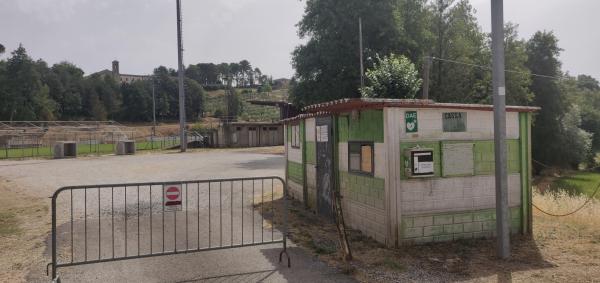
pixel 25 221
pixel 563 249
pixel 560 250
pixel 24 224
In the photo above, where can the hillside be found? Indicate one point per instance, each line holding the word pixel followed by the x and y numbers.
pixel 215 100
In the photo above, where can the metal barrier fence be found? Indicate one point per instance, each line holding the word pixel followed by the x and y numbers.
pixel 102 223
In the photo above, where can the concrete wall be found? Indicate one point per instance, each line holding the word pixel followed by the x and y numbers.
pixel 443 227
pixel 363 196
pixel 446 208
pixel 311 161
pixel 480 125
pixel 240 135
pixel 395 209
pixel 295 171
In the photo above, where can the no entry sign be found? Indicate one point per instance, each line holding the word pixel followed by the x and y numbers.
pixel 172 197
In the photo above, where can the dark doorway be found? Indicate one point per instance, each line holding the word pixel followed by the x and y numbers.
pixel 324 137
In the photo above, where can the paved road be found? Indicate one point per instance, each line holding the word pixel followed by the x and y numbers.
pixel 248 264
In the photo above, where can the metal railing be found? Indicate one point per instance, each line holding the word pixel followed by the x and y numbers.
pixel 101 223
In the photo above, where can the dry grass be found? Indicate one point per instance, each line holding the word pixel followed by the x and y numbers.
pixel 24 224
pixel 565 249
pixel 562 203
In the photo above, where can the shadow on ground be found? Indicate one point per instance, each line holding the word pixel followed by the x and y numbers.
pixel 449 261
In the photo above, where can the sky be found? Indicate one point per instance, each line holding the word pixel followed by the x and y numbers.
pixel 141 34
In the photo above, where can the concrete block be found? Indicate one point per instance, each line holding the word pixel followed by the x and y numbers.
pixel 433 230
pixel 462 218
pixel 408 222
pixel 472 227
pixel 423 221
pixel 483 234
pixel 463 236
pixel 442 219
pixel 489 226
pixel 423 205
pixel 484 202
pixel 453 228
pixel 483 216
pixel 443 238
pixel 125 147
pixel 413 232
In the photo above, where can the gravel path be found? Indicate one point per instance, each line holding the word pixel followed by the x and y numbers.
pixel 249 264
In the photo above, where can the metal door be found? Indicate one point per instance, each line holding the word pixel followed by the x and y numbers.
pixel 324 139
pixel 252 137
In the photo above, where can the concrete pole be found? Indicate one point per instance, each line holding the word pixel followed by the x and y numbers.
pixel 426 68
pixel 498 84
pixel 182 135
pixel 360 39
pixel 153 116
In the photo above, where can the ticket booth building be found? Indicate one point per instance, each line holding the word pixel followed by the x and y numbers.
pixel 409 171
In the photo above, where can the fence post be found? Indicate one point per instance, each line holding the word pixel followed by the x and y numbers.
pixel 54 237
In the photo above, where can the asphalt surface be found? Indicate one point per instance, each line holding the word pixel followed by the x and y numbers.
pixel 118 222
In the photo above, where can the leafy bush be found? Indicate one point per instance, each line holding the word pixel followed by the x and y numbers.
pixel 392 77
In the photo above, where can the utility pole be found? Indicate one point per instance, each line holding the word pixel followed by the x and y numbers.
pixel 182 135
pixel 153 114
pixel 498 84
pixel 360 39
pixel 426 67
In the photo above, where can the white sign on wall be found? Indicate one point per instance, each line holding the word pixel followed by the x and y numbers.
pixel 322 133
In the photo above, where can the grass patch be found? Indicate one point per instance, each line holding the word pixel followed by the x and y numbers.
pixel 577 183
pixel 8 224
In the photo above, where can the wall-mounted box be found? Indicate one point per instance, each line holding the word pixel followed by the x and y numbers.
pixel 421 163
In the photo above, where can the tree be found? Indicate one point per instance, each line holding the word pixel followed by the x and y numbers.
pixel 137 101
pixel 327 65
pixel 265 87
pixel 2 49
pixel 194 102
pixel 586 82
pixel 65 81
pixel 392 77
pixel 458 37
pixel 246 72
pixel 558 121
pixel 24 96
pixel 258 76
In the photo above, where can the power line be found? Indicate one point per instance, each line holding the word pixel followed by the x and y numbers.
pixel 490 68
pixel 590 197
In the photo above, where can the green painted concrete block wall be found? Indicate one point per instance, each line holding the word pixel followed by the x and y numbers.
pixel 363 189
pixel 311 152
pixel 483 152
pixel 289 131
pixel 454 226
pixel 483 155
pixel 368 127
pixel 295 172
pixel 435 145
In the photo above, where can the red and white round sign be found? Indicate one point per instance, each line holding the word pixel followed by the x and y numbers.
pixel 172 196
pixel 173 193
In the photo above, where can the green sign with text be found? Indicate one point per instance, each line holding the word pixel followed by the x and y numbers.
pixel 410 118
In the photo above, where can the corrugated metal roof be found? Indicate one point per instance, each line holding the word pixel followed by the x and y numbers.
pixel 349 104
